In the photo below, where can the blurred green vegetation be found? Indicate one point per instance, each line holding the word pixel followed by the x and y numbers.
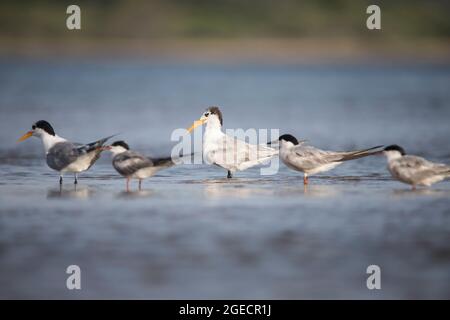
pixel 224 19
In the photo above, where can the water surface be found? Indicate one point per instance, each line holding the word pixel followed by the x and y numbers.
pixel 191 233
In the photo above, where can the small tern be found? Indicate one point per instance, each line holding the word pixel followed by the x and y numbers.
pixel 62 155
pixel 414 170
pixel 133 165
pixel 229 152
pixel 311 160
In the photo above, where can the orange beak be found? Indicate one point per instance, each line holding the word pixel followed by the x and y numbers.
pixel 25 136
pixel 196 124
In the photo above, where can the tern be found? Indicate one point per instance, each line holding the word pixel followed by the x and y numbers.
pixel 414 170
pixel 225 151
pixel 133 165
pixel 310 160
pixel 62 155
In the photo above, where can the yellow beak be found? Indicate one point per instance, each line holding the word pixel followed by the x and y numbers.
pixel 196 124
pixel 25 136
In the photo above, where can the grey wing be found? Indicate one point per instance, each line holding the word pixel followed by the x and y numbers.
pixel 129 162
pixel 62 154
pixel 93 146
pixel 165 162
pixel 93 149
pixel 240 151
pixel 308 158
pixel 419 168
pixel 414 162
pixel 356 154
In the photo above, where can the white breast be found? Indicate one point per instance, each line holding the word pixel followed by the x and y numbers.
pixel 213 141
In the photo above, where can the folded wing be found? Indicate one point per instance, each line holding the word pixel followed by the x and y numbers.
pixel 130 162
pixel 239 155
pixel 418 168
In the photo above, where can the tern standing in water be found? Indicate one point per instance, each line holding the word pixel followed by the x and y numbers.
pixel 414 170
pixel 311 160
pixel 133 165
pixel 226 151
pixel 62 155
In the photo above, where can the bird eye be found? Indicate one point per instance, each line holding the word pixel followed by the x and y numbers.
pixel 206 114
pixel 33 127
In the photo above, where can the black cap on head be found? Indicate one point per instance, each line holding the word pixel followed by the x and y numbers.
pixel 215 110
pixel 44 125
pixel 395 147
pixel 120 143
pixel 289 137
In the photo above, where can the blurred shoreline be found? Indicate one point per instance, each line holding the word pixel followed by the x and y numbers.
pixel 235 50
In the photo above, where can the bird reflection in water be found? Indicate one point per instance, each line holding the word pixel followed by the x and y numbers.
pixel 402 193
pixel 313 191
pixel 135 194
pixel 75 192
pixel 220 190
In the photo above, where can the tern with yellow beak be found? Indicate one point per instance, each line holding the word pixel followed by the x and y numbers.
pixel 226 151
pixel 62 155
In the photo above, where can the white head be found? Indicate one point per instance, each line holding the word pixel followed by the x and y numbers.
pixel 212 117
pixel 43 130
pixel 117 147
pixel 393 152
pixel 39 129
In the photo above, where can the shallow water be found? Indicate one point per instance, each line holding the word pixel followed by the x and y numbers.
pixel 191 233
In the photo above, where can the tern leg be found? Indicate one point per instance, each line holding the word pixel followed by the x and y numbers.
pixel 76 179
pixel 60 179
pixel 229 175
pixel 305 179
pixel 140 184
pixel 128 184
